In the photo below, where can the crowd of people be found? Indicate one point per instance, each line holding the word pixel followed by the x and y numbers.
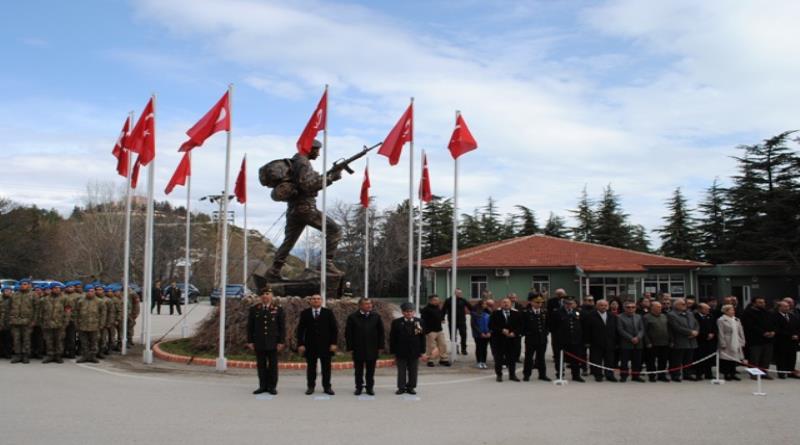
pixel 64 320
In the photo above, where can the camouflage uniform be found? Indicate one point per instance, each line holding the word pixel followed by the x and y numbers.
pixel 70 331
pixel 22 314
pixel 89 312
pixel 37 339
pixel 102 332
pixel 118 319
pixel 302 211
pixel 53 318
pixel 6 344
pixel 111 323
pixel 133 312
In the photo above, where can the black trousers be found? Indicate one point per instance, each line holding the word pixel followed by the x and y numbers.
pixel 359 366
pixel 574 365
pixel 311 370
pixel 37 342
pixel 6 344
pixel 481 349
pixel 407 372
pixel 462 332
pixel 602 356
pixel 69 339
pixel 632 357
pixel 785 355
pixel 556 348
pixel 534 358
pixel 680 357
pixel 174 305
pixel 267 364
pixel 155 302
pixel 703 369
pixel 727 367
pixel 657 358
pixel 761 355
pixel 505 352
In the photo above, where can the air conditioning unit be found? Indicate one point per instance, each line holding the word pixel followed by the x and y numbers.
pixel 502 273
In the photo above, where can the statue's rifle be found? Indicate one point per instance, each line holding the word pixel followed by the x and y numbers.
pixel 344 164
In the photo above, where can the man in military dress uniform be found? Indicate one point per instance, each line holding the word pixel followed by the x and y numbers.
pixel 22 316
pixel 266 330
pixel 569 336
pixel 302 211
pixel 53 316
pixel 535 332
pixel 507 326
pixel 316 339
pixel 88 315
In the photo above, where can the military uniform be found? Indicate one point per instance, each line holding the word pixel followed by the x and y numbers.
pixel 266 329
pixel 110 326
pixel 37 337
pixel 302 211
pixel 133 311
pixel 116 329
pixel 102 333
pixel 569 337
pixel 535 332
pixel 53 318
pixel 70 332
pixel 6 343
pixel 22 314
pixel 89 312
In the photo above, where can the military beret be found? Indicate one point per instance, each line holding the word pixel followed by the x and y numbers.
pixel 72 283
pixel 55 284
pixel 98 285
pixel 316 144
pixel 406 306
pixel 25 280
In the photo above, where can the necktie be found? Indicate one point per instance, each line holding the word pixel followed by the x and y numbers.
pixel 316 313
pixel 505 313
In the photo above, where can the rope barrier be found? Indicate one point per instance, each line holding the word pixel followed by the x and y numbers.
pixel 750 365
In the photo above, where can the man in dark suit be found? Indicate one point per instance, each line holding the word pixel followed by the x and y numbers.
pixel 266 330
pixel 365 338
pixel 569 336
pixel 600 333
pixel 535 331
pixel 706 341
pixel 462 308
pixel 316 339
pixel 174 298
pixel 555 304
pixel 507 326
pixel 786 340
pixel 407 343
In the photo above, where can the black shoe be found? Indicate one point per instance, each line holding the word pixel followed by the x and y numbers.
pixel 329 391
pixel 638 379
pixel 765 377
pixel 58 360
pixel 598 378
pixel 82 360
pixel 411 391
pixel 735 377
pixel 16 359
pixel 309 391
pixel 25 359
pixel 578 379
pixel 499 378
pixel 652 378
pixel 259 391
pixel 444 363
pixel 780 376
pixel 526 378
pixel 544 378
pixel 690 378
pixel 611 378
pixel 370 392
pixel 662 378
pixel 400 391
pixel 463 350
pixel 94 360
pixel 431 364
pixel 623 379
pixel 513 378
pixel 727 378
pixel 272 391
pixel 676 379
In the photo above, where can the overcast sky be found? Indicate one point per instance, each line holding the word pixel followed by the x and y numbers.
pixel 643 95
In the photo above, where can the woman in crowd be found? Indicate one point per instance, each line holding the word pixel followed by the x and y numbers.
pixel 731 342
pixel 481 332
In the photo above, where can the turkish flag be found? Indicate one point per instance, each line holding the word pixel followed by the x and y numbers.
pixel 143 136
pixel 317 122
pixel 365 189
pixel 240 190
pixel 135 173
pixel 462 140
pixel 183 171
pixel 217 119
pixel 120 150
pixel 425 182
pixel 402 132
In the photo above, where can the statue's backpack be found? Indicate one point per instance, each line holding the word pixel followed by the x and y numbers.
pixel 279 176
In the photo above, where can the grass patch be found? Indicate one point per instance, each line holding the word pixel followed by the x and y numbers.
pixel 184 347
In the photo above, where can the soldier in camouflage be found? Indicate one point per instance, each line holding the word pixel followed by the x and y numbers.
pixel 37 339
pixel 117 328
pixel 70 332
pixel 302 211
pixel 89 313
pixel 6 344
pixel 22 314
pixel 133 312
pixel 53 315
pixel 102 334
pixel 111 321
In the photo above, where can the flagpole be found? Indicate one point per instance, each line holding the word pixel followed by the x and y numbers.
pixel 454 261
pixel 244 264
pixel 323 279
pixel 308 252
pixel 187 261
pixel 419 237
pixel 148 247
pixel 411 213
pixel 366 244
pixel 126 267
pixel 221 361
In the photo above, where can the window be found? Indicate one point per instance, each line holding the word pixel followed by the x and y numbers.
pixel 478 283
pixel 612 287
pixel 674 284
pixel 541 283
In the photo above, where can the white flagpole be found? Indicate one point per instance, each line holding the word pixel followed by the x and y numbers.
pixel 244 264
pixel 126 267
pixel 323 279
pixel 366 245
pixel 419 237
pixel 307 249
pixel 221 361
pixel 411 213
pixel 454 260
pixel 148 248
pixel 187 261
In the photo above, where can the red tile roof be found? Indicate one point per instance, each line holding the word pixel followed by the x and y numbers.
pixel 540 251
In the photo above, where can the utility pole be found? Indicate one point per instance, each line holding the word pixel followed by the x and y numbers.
pixel 218 215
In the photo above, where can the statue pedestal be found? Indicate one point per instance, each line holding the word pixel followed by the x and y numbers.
pixel 306 285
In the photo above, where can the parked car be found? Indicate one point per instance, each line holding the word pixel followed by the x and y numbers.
pixel 231 291
pixel 194 293
pixel 7 282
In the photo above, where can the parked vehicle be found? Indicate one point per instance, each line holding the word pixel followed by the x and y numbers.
pixel 7 282
pixel 194 293
pixel 231 291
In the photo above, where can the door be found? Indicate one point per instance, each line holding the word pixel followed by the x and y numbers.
pixel 743 294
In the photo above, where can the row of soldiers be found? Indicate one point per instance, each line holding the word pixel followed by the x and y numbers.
pixel 63 320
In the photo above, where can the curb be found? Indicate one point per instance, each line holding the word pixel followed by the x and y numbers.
pixel 247 364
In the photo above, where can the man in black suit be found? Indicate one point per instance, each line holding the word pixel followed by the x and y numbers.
pixel 569 336
pixel 365 338
pixel 706 341
pixel 316 339
pixel 462 308
pixel 507 326
pixel 555 304
pixel 535 331
pixel 407 343
pixel 266 330
pixel 600 333
pixel 787 337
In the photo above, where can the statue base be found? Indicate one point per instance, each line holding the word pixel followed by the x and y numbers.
pixel 307 284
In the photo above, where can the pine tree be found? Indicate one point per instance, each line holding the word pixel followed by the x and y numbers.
pixel 638 238
pixel 470 232
pixel 556 226
pixel 611 227
pixel 437 235
pixel 711 228
pixel 679 235
pixel 527 221
pixel 490 222
pixel 584 230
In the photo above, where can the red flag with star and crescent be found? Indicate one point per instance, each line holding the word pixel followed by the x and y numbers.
pixel 120 150
pixel 240 189
pixel 217 119
pixel 425 182
pixel 317 122
pixel 461 141
pixel 143 136
pixel 183 171
pixel 365 189
pixel 402 132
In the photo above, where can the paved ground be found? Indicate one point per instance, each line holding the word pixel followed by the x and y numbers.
pixel 122 401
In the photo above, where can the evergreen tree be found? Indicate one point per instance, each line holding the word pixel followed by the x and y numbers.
pixel 679 235
pixel 711 228
pixel 490 222
pixel 584 230
pixel 611 227
pixel 470 232
pixel 556 226
pixel 527 221
pixel 437 235
pixel 638 238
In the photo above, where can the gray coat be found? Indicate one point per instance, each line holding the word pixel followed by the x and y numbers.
pixel 681 324
pixel 629 327
pixel 726 327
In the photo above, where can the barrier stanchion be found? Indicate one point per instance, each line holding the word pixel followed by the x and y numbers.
pixel 561 381
pixel 717 381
